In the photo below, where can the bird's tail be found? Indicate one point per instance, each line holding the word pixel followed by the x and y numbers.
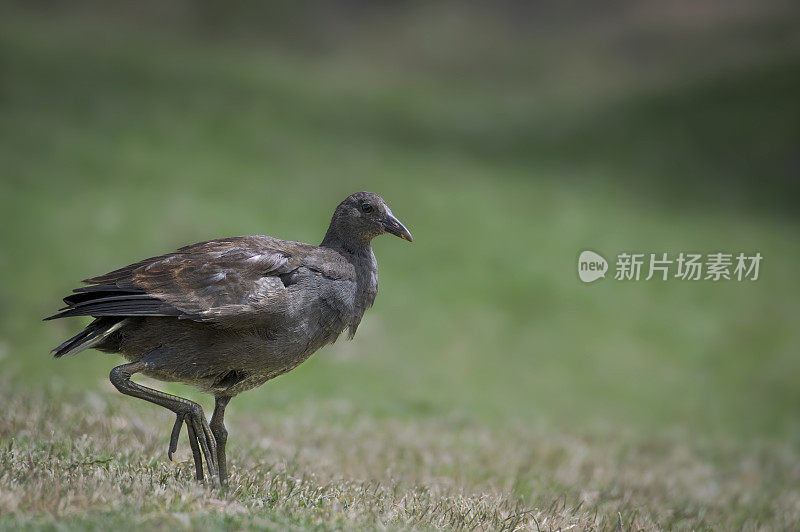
pixel 94 333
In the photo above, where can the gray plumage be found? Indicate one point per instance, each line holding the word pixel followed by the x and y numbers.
pixel 228 315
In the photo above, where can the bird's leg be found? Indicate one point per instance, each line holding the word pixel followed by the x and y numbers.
pixel 220 435
pixel 200 436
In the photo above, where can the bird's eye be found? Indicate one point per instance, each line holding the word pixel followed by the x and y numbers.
pixel 366 207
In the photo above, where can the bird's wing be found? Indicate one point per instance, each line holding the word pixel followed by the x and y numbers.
pixel 215 281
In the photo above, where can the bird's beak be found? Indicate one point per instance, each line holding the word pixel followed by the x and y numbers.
pixel 393 226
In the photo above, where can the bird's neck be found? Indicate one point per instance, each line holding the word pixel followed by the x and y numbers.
pixel 360 255
pixel 352 246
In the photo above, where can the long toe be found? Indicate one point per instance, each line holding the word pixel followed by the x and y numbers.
pixel 173 439
pixel 207 443
pixel 198 457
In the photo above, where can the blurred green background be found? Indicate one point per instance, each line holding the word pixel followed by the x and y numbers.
pixel 508 136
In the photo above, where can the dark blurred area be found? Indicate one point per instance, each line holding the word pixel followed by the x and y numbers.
pixel 695 101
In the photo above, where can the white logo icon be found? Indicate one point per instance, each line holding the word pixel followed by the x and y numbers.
pixel 591 266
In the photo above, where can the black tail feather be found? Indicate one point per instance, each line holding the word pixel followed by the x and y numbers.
pixel 92 331
pixel 120 304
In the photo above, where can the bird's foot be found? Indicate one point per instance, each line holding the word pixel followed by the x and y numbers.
pixel 201 441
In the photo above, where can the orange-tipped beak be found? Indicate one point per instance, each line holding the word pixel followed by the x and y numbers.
pixel 394 227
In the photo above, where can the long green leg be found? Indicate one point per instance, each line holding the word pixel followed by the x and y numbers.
pixel 201 439
pixel 221 436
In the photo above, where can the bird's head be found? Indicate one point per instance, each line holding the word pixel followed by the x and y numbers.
pixel 363 216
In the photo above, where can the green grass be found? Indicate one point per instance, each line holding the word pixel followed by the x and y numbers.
pixel 488 386
pixel 97 461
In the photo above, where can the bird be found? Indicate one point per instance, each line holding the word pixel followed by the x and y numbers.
pixel 225 316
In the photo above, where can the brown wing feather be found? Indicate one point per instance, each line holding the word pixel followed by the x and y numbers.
pixel 218 280
pixel 212 280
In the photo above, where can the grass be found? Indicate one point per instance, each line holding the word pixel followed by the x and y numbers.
pixel 487 387
pixel 100 459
